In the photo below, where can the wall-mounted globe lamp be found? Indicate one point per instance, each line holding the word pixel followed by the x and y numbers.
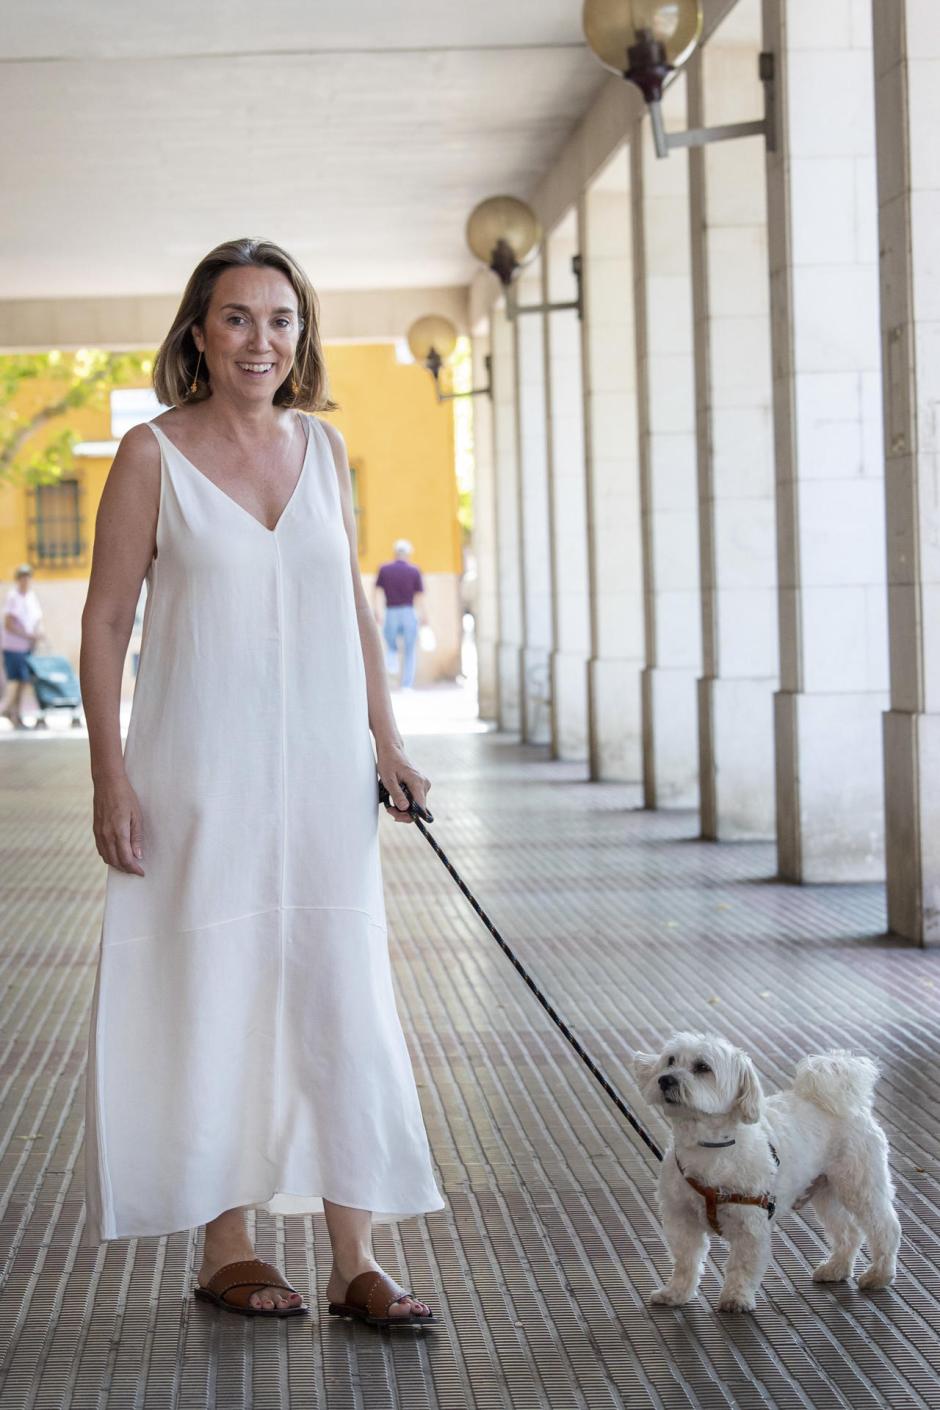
pixel 432 340
pixel 649 40
pixel 504 232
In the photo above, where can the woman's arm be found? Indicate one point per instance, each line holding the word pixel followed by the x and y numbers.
pixel 125 537
pixel 393 765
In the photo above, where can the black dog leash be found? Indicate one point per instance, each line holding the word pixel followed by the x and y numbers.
pixel 421 816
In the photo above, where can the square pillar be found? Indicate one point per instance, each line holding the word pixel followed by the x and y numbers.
pixel 827 422
pixel 735 438
pixel 508 535
pixel 486 606
pixel 535 536
pixel 567 516
pixel 668 472
pixel 907 97
pixel 612 455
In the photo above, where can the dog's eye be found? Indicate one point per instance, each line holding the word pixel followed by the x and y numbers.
pixel 701 1067
pixel 670 1062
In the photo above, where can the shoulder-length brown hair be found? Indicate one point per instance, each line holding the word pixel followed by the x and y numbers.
pixel 175 365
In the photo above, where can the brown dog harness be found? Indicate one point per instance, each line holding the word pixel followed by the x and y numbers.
pixel 714 1195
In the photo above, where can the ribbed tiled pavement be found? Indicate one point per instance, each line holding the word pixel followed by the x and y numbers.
pixel 540 1265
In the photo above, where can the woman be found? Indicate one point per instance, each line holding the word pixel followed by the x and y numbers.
pixel 22 629
pixel 245 1048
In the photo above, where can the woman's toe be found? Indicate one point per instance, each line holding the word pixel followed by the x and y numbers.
pixel 408 1306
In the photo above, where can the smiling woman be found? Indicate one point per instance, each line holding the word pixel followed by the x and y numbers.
pixel 245 1047
pixel 180 376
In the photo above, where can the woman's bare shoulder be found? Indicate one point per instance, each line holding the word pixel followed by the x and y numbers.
pixel 173 416
pixel 334 435
pixel 135 467
pixel 138 446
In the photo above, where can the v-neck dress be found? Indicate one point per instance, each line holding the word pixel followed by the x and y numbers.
pixel 245 1047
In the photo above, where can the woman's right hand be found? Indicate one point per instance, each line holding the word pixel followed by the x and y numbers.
pixel 117 825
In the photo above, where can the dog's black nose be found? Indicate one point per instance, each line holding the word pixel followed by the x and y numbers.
pixel 667 1080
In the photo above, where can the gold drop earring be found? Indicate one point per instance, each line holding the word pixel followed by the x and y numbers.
pixel 195 382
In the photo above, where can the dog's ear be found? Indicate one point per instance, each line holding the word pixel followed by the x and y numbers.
pixel 643 1065
pixel 749 1098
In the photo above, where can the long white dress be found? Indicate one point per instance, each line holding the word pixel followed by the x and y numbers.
pixel 244 1046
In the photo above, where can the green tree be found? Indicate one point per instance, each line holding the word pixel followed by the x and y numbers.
pixel 74 380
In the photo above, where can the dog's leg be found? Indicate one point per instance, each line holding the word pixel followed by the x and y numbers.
pixel 845 1237
pixel 688 1245
pixel 867 1192
pixel 748 1256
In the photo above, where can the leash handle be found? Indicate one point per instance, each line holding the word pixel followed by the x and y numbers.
pixel 415 809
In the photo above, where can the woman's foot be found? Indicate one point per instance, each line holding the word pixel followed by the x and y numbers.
pixel 342 1274
pixel 218 1252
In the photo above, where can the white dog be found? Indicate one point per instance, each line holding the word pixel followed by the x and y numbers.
pixel 738 1161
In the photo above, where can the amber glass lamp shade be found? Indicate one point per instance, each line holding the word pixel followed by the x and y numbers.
pixel 643 39
pixel 502 232
pixel 432 336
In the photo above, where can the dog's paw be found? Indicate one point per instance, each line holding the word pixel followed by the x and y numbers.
pixel 671 1297
pixel 832 1271
pixel 740 1302
pixel 875 1277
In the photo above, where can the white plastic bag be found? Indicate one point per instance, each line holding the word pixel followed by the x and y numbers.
pixel 426 638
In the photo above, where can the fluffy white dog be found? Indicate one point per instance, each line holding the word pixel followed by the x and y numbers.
pixel 738 1161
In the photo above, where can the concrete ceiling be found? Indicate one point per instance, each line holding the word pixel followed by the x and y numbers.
pixel 358 133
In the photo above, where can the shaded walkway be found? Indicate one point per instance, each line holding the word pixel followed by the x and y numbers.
pixel 542 1261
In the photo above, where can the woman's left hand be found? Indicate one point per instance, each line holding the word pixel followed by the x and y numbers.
pixel 394 770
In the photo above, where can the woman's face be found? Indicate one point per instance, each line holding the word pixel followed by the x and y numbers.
pixel 250 333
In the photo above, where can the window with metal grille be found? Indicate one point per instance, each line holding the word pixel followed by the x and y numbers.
pixel 56 524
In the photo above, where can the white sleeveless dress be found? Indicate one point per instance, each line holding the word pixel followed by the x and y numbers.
pixel 245 1046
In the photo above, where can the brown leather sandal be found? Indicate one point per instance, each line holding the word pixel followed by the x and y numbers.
pixel 368 1298
pixel 248 1276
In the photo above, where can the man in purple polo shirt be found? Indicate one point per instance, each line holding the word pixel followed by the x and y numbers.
pixel 401 583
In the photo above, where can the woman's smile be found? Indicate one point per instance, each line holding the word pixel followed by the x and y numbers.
pixel 256 369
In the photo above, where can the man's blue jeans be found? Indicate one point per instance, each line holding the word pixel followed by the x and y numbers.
pixel 401 621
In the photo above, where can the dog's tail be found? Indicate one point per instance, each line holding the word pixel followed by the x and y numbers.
pixel 838 1081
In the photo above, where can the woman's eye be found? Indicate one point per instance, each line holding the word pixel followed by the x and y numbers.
pixel 234 318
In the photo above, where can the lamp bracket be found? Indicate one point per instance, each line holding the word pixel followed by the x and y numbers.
pixel 764 127
pixel 513 309
pixel 474 391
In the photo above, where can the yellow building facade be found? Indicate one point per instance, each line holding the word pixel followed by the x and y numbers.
pixel 400 441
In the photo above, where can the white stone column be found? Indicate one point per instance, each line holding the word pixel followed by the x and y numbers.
pixel 735 438
pixel 565 440
pixel 508 537
pixel 821 209
pixel 486 558
pixel 907 87
pixel 536 724
pixel 669 486
pixel 614 532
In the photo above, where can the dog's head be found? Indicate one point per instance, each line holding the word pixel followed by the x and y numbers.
pixel 700 1074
